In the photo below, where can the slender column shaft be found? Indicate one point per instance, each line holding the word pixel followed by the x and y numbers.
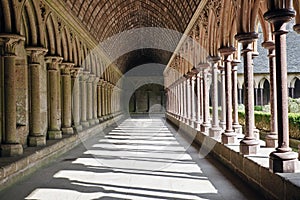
pixel 90 99
pixel 99 100
pixel 229 136
pixel 83 89
pixel 198 118
pixel 283 159
pixel 75 73
pixel 206 122
pixel 36 135
pixel 249 145
pixel 188 94
pixel 53 129
pixel 271 138
pixel 95 100
pixel 184 101
pixel 103 99
pixel 240 90
pixel 67 99
pixel 256 96
pixel 223 99
pixel 236 125
pixel 193 101
pixel 215 130
pixel 11 145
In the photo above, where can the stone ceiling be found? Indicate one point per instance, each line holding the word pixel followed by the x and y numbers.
pixel 106 18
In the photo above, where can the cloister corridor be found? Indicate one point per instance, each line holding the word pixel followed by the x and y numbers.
pixel 150 99
pixel 141 158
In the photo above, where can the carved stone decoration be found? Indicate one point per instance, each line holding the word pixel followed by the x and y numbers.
pixel 43 10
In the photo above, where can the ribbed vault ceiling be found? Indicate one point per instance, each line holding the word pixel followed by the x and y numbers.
pixel 106 18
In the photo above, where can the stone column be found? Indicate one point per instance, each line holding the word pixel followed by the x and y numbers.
pixel 90 106
pixel 184 101
pixel 54 131
pixel 272 138
pixel 283 159
pixel 235 125
pixel 36 135
pixel 240 90
pixel 104 89
pixel 256 96
pixel 66 98
pixel 181 101
pixel 199 94
pixel 109 99
pixel 83 87
pixel 215 130
pixel 229 135
pixel 75 76
pixel 95 100
pixel 223 99
pixel 206 123
pixel 193 101
pixel 188 94
pixel 249 145
pixel 11 145
pixel 99 101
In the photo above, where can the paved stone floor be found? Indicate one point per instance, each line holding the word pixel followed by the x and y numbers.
pixel 141 158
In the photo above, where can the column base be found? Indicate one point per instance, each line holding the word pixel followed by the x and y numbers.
pixel 271 140
pixel 222 125
pixel 100 119
pixel 249 146
pixel 67 131
pixel 237 128
pixel 198 125
pixel 85 124
pixel 91 122
pixel 256 133
pixel 78 128
pixel 215 132
pixel 96 121
pixel 229 137
pixel 54 135
pixel 10 150
pixel 284 162
pixel 36 141
pixel 205 127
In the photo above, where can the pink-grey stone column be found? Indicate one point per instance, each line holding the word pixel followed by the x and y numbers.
pixel 193 101
pixel 66 98
pixel 199 102
pixel 36 57
pixel 223 98
pixel 215 130
pixel 229 135
pixel 235 105
pixel 188 94
pixel 10 142
pixel 206 122
pixel 272 138
pixel 283 159
pixel 249 145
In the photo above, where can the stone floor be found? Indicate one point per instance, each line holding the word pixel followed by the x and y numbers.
pixel 141 158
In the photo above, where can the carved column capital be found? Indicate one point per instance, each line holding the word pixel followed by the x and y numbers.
pixel 36 54
pixel 9 43
pixel 53 61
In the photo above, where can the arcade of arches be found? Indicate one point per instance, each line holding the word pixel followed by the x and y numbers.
pixel 57 81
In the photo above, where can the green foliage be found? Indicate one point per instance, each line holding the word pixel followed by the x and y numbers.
pixel 294 107
pixel 266 108
pixel 262 122
pixel 258 108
